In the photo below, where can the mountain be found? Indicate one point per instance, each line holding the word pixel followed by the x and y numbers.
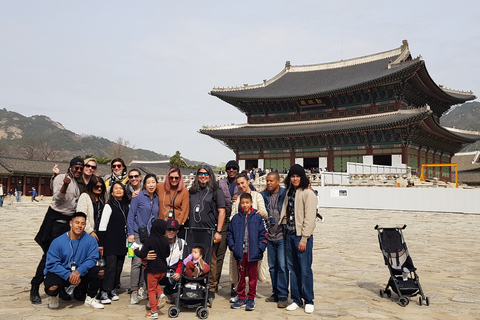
pixel 465 116
pixel 39 137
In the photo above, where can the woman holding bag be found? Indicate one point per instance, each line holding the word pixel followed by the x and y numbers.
pixel 143 210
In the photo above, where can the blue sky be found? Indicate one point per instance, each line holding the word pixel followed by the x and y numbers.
pixel 142 70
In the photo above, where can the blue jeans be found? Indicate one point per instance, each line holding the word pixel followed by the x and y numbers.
pixel 1 200
pixel 278 268
pixel 19 196
pixel 299 265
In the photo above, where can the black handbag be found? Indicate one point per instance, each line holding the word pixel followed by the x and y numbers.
pixel 143 234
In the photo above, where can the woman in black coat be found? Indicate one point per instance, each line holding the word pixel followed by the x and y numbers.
pixel 112 237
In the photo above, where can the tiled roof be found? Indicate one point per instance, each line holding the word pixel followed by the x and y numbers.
pixel 10 166
pixel 345 75
pixel 393 119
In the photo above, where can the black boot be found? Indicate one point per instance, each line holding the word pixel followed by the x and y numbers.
pixel 35 295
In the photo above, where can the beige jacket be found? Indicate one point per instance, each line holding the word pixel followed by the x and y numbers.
pixel 305 212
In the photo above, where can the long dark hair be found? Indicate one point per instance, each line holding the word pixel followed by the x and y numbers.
pixel 91 185
pixel 150 175
pixel 304 181
pixel 112 200
pixel 212 184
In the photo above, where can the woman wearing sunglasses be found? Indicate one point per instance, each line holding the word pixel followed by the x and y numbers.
pixel 134 185
pixel 119 173
pixel 91 202
pixel 143 210
pixel 173 198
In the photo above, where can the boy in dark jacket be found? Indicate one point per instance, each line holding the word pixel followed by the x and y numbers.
pixel 156 269
pixel 246 239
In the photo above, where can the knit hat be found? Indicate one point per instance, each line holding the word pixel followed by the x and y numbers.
pixel 296 169
pixel 233 164
pixel 77 162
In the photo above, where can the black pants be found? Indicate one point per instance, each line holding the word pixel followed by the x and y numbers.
pixel 113 271
pixel 92 281
pixel 220 253
pixel 58 228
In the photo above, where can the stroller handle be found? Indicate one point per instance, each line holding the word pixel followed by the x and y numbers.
pixel 378 227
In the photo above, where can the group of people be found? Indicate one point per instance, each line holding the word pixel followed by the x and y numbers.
pixel 93 221
pixel 15 193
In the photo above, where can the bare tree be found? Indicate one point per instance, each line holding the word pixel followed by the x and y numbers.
pixel 48 152
pixel 29 148
pixel 122 148
pixel 3 148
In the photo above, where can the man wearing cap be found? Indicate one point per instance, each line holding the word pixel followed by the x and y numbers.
pixel 298 215
pixel 56 221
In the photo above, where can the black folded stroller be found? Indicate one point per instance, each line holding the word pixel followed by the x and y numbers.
pixel 404 280
pixel 193 292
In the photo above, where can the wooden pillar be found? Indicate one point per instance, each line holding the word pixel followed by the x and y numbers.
pixel 330 162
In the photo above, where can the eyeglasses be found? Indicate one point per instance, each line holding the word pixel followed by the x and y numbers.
pixel 174 178
pixel 77 168
pixel 133 176
pixel 90 166
pixel 232 168
pixel 117 165
pixel 98 186
pixel 203 174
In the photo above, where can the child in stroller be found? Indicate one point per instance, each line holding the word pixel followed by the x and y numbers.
pixel 404 280
pixel 192 292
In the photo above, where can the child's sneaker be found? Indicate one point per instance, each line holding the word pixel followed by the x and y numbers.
pixel 239 304
pixel 162 300
pixel 152 315
pixel 250 305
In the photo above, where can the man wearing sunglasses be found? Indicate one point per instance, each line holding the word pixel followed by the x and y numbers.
pixel 207 210
pixel 135 184
pixel 66 192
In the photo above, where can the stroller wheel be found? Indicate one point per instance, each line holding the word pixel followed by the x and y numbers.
pixel 381 293
pixel 388 292
pixel 202 313
pixel 403 301
pixel 173 312
pixel 427 301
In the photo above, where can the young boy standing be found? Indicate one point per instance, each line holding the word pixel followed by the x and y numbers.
pixel 246 238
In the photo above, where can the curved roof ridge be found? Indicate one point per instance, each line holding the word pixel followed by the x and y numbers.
pixel 462 131
pixel 401 53
pixel 448 90
pixel 323 121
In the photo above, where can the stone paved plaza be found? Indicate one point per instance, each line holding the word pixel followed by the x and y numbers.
pixel 348 270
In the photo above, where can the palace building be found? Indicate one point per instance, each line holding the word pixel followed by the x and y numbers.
pixel 379 109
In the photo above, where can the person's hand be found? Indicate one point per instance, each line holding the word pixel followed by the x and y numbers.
pixel 235 197
pixel 176 276
pixel 55 169
pixel 74 278
pixel 131 238
pixel 100 250
pixel 302 246
pixel 217 237
pixel 93 234
pixel 67 179
pixel 151 255
pixel 135 194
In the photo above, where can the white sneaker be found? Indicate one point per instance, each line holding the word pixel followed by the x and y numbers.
pixel 291 307
pixel 104 298
pixel 309 308
pixel 142 294
pixel 234 299
pixel 94 303
pixel 114 296
pixel 53 302
pixel 134 297
pixel 162 300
